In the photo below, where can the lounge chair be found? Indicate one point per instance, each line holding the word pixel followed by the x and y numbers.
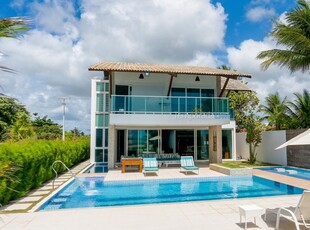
pixel 187 164
pixel 280 169
pixel 150 165
pixel 300 215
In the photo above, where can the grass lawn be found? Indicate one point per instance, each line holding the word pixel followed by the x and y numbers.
pixel 243 164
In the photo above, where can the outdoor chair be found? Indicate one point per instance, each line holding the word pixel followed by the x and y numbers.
pixel 188 165
pixel 299 215
pixel 150 165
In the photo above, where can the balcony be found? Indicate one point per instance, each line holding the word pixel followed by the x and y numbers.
pixel 162 110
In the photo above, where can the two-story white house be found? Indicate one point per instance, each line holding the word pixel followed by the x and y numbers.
pixel 165 111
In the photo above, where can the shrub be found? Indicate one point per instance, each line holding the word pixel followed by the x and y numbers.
pixel 28 164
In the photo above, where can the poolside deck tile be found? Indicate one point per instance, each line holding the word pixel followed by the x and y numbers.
pixel 17 206
pixel 293 181
pixel 39 193
pixel 30 199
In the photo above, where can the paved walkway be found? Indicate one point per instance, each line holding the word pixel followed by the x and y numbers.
pixel 32 198
pixel 220 215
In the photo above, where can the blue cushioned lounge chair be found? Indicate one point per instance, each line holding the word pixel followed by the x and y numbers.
pixel 187 164
pixel 150 165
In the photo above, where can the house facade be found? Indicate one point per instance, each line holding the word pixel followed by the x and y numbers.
pixel 163 111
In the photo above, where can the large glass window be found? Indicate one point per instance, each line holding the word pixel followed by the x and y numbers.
pixel 227 144
pixel 178 104
pixel 143 142
pixel 193 105
pixel 153 137
pixel 100 86
pixel 106 137
pixel 168 141
pixel 99 119
pixel 132 142
pixel 98 155
pixel 185 142
pixel 99 136
pixel 99 104
pixel 202 144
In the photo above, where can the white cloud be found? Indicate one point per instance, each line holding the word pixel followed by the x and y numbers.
pixel 275 79
pixel 53 58
pixel 259 13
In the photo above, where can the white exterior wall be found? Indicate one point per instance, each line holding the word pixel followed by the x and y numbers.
pixel 265 151
pixel 158 84
pixel 242 148
pixel 270 141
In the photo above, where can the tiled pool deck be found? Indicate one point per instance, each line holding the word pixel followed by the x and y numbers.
pixel 216 214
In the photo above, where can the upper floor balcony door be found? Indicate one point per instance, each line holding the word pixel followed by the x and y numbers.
pixel 120 102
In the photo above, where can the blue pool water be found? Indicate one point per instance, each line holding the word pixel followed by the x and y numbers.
pixel 99 193
pixel 98 168
pixel 300 173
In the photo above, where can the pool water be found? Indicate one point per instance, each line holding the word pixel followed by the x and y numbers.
pixel 97 192
pixel 299 172
pixel 97 168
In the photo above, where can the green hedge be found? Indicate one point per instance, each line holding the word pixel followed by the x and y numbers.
pixel 28 164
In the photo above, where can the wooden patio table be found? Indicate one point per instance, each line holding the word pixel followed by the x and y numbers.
pixel 131 161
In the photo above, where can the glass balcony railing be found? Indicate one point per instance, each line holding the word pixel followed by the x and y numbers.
pixel 169 105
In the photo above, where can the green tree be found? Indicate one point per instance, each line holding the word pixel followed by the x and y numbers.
pixel 300 110
pixel 276 111
pixel 45 128
pixel 244 104
pixel 22 128
pixel 12 28
pixel 9 114
pixel 254 130
pixel 294 36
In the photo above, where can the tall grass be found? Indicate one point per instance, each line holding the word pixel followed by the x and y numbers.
pixel 28 164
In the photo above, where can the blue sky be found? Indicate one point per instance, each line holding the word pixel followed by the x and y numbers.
pixel 66 37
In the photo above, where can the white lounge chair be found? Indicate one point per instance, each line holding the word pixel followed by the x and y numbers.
pixel 150 165
pixel 301 214
pixel 187 164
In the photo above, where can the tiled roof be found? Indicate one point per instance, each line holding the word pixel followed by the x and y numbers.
pixel 160 68
pixel 235 85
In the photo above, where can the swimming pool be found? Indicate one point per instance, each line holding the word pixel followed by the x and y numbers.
pixel 97 168
pixel 99 193
pixel 290 171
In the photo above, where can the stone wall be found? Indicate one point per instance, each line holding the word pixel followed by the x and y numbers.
pixel 298 155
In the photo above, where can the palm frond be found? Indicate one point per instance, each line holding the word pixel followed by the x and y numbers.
pixel 294 37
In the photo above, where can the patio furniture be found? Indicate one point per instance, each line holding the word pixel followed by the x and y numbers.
pixel 291 171
pixel 280 169
pixel 187 164
pixel 150 165
pixel 300 215
pixel 169 159
pixel 131 161
pixel 248 211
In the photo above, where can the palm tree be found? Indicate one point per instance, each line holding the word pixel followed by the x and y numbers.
pixel 294 36
pixel 12 28
pixel 276 111
pixel 300 111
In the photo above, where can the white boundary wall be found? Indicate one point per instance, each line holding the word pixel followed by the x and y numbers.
pixel 265 152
